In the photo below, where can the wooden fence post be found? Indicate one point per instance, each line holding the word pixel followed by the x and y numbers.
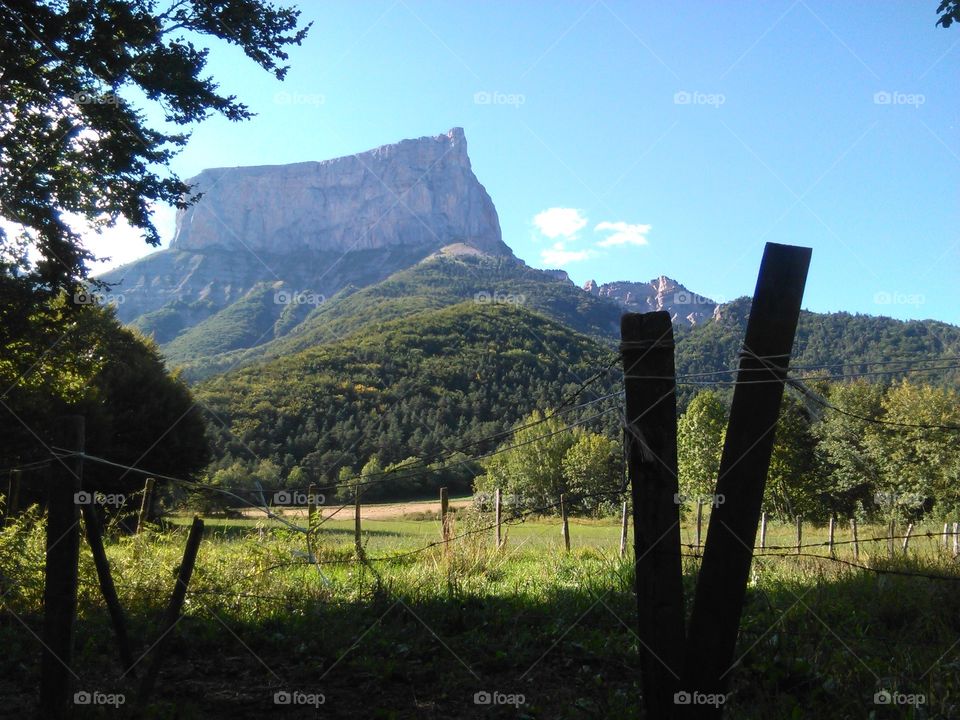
pixel 763 531
pixel 60 588
pixel 107 588
pixel 946 536
pixel 906 538
pixel 146 503
pixel 565 531
pixel 444 519
pixel 856 541
pixel 311 505
pixel 172 615
pixel 498 515
pixel 745 461
pixel 799 533
pixel 357 543
pixel 956 539
pixel 891 531
pixel 833 522
pixel 623 530
pixel 13 495
pixel 699 525
pixel 651 433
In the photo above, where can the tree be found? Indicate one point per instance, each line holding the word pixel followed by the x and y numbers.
pixel 593 471
pixel 700 433
pixel 949 12
pixel 793 486
pixel 73 137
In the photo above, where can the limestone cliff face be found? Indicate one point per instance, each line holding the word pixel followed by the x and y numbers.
pixel 415 193
pixel 314 227
pixel 661 293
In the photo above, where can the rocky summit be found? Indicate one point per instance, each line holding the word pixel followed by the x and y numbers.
pixel 313 227
pixel 661 293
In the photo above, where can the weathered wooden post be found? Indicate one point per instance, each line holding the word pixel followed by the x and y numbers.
pixel 799 533
pixel 498 514
pixel 146 503
pixel 728 553
pixel 956 539
pixel 13 495
pixel 891 531
pixel 565 530
pixel 60 588
pixel 172 614
pixel 444 518
pixel 946 536
pixel 311 506
pixel 699 526
pixel 856 540
pixel 833 522
pixel 763 531
pixel 651 438
pixel 358 544
pixel 623 530
pixel 906 538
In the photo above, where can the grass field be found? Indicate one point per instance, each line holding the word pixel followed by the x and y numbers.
pixel 421 635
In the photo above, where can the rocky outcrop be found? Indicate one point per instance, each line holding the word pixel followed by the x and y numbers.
pixel 415 193
pixel 661 293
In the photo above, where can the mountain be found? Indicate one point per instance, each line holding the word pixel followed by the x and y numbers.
pixel 662 293
pixel 312 227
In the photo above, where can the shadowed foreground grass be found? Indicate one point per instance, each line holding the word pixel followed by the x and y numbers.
pixel 421 636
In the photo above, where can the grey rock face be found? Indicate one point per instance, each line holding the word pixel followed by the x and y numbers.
pixel 662 293
pixel 416 192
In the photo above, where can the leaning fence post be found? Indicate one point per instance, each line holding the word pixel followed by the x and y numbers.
pixel 906 538
pixel 566 527
pixel 172 614
pixel 623 530
pixel 60 586
pixel 744 463
pixel 799 533
pixel 699 525
pixel 146 503
pixel 856 541
pixel 763 531
pixel 833 522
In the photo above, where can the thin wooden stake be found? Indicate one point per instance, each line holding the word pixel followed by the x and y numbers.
pixel 856 540
pixel 146 503
pixel 906 538
pixel 699 526
pixel 311 505
pixel 13 496
pixel 60 588
pixel 728 553
pixel 651 440
pixel 799 533
pixel 358 545
pixel 833 522
pixel 956 539
pixel 172 615
pixel 498 514
pixel 891 531
pixel 444 519
pixel 946 536
pixel 763 531
pixel 107 588
pixel 623 530
pixel 566 526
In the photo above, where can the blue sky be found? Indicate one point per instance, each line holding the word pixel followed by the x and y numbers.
pixel 622 141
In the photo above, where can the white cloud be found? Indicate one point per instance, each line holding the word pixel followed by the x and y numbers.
pixel 558 255
pixel 622 234
pixel 560 222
